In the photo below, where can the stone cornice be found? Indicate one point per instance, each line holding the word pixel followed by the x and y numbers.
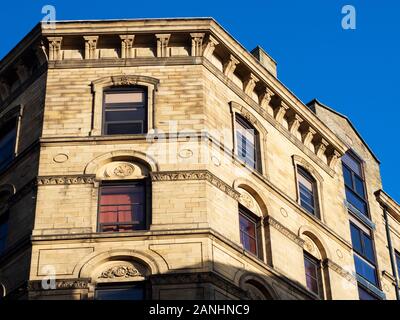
pixel 389 203
pixel 285 231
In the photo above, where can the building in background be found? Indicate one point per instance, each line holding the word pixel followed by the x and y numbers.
pixel 159 159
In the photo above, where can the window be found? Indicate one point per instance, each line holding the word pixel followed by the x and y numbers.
pixel 307 191
pixel 364 255
pixel 247 143
pixel 121 292
pixel 354 184
pixel 313 274
pixel 125 111
pixel 249 229
pixel 364 294
pixel 122 207
pixel 398 264
pixel 8 136
pixel 3 231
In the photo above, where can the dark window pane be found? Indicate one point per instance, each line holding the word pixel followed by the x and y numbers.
pixel 356 238
pixel 359 185
pixel 356 202
pixel 124 128
pixel 348 179
pixel 365 270
pixel 312 274
pixel 7 144
pixel 3 231
pixel 248 233
pixel 135 292
pixel 353 163
pixel 365 295
pixel 398 264
pixel 368 249
pixel 125 115
pixel 122 208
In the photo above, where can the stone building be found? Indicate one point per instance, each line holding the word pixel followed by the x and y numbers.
pixel 159 159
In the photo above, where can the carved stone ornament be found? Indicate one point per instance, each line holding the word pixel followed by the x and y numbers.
pixel 121 271
pixel 124 170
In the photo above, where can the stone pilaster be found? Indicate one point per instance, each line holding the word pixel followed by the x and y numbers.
pixel 55 48
pixel 127 46
pixel 90 47
pixel 197 44
pixel 162 45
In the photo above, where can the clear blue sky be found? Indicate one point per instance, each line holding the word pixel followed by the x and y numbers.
pixel 355 72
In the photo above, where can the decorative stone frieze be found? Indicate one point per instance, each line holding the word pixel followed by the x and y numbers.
pixel 196 175
pixel 65 180
pixel 282 229
pixel 339 270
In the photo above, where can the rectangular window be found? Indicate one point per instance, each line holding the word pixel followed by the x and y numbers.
pixel 364 255
pixel 354 184
pixel 398 264
pixel 122 292
pixel 247 142
pixel 125 112
pixel 122 207
pixel 8 136
pixel 306 190
pixel 313 274
pixel 3 231
pixel 248 231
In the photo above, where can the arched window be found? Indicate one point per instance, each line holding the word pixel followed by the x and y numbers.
pixel 307 188
pixel 247 143
pixel 125 110
pixel 124 203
